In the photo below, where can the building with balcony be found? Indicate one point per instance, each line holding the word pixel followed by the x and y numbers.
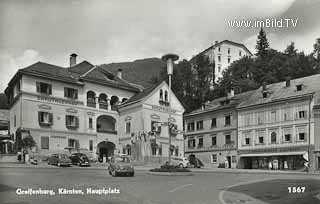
pixel 144 130
pixel 211 131
pixel 67 109
pixel 222 54
pixel 276 125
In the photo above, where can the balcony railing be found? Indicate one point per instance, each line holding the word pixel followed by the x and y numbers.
pixel 106 131
pixel 103 105
pixel 91 103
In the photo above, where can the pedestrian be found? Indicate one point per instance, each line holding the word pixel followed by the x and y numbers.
pixel 285 165
pixel 24 152
pixel 226 163
pixel 270 165
pixel 19 155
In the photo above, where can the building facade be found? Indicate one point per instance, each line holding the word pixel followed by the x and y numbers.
pixel 70 109
pixel 276 126
pixel 211 132
pixel 222 54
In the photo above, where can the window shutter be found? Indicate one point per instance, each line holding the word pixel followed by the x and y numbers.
pixel 39 117
pixel 77 121
pixel 50 89
pixel 38 87
pixel 67 122
pixel 51 118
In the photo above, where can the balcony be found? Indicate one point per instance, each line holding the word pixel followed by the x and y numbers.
pixel 103 105
pixel 91 103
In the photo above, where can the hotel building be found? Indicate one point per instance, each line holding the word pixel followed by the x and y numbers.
pixel 70 109
pixel 276 125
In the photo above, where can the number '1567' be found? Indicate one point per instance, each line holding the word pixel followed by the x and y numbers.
pixel 294 189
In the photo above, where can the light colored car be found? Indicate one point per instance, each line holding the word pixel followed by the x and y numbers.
pixel 182 162
pixel 120 165
pixel 59 160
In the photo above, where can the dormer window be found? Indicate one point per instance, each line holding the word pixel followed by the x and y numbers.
pixel 229 51
pixel 299 87
pixel 265 94
pixel 70 93
pixel 166 95
pixel 161 95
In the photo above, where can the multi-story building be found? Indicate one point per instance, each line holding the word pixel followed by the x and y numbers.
pixel 222 54
pixel 69 109
pixel 211 131
pixel 276 125
pixel 6 145
pixel 144 124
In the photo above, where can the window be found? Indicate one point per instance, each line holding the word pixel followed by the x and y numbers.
pixel 227 120
pixel 200 142
pixel 44 142
pixel 247 141
pixel 161 95
pixel 160 150
pixel 190 127
pixel 219 49
pixel 213 158
pixel 260 137
pixel 191 143
pixel 90 145
pixel 128 127
pixel 219 67
pixel 219 58
pixel 213 122
pixel 228 50
pixel 287 114
pixel 227 139
pixel 154 150
pixel 287 137
pixel 301 136
pixel 15 121
pixel 240 53
pixel 70 93
pixel 260 140
pixel 200 125
pixel 45 118
pixel 129 151
pixel 261 118
pixel 166 95
pixel 301 133
pixel 265 94
pixel 229 60
pixel 72 121
pixel 299 87
pixel 176 151
pixel 273 138
pixel 155 126
pixel 90 123
pixel 234 159
pixel 302 114
pixel 72 143
pixel 214 140
pixel 44 88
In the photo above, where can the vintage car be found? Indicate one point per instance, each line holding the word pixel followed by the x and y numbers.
pixel 59 160
pixel 79 159
pixel 120 165
pixel 195 162
pixel 180 162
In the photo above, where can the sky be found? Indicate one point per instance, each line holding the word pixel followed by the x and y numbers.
pixel 105 31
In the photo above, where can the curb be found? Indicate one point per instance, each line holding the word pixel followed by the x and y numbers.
pixel 170 173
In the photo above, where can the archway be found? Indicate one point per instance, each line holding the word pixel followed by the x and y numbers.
pixel 105 149
pixel 106 124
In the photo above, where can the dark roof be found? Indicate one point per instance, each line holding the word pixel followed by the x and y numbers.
pixel 139 71
pixel 279 91
pixel 3 101
pixel 218 105
pixel 76 74
pixel 140 96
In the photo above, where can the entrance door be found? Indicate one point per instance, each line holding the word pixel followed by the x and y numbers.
pixel 247 163
pixel 105 149
pixel 229 161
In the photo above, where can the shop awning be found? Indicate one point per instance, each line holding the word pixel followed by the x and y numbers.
pixel 272 154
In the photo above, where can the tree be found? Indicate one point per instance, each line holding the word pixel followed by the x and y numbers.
pixel 262 44
pixel 316 49
pixel 28 142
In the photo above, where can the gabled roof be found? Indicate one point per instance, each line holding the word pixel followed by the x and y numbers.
pixel 279 91
pixel 81 67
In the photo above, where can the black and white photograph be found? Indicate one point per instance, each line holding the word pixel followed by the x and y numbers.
pixel 160 101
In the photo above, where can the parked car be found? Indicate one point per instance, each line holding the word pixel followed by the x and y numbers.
pixel 79 159
pixel 120 165
pixel 181 162
pixel 195 162
pixel 59 160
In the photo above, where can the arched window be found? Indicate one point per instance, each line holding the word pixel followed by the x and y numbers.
pixel 114 101
pixel 91 99
pixel 273 137
pixel 103 101
pixel 166 95
pixel 161 95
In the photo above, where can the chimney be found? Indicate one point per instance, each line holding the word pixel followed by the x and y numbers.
pixel 73 59
pixel 288 81
pixel 231 93
pixel 216 42
pixel 264 86
pixel 119 73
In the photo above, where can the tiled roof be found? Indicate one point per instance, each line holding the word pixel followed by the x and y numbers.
pixel 81 68
pixel 279 91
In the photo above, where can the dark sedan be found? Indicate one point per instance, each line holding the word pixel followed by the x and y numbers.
pixel 79 159
pixel 59 160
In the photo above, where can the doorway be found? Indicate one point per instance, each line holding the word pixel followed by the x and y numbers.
pixel 105 149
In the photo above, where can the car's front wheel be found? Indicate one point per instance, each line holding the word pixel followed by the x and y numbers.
pixel 131 174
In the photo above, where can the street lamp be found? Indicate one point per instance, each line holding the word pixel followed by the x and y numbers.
pixel 169 58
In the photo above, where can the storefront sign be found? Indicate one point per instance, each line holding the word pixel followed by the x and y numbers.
pixel 163 109
pixel 59 100
pixel 273 150
pixel 58 137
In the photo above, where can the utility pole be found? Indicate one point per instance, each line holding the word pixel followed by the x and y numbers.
pixel 169 58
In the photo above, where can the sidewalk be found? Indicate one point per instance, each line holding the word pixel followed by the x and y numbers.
pixel 100 166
